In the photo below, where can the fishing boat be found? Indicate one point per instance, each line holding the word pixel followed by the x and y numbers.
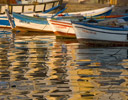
pixel 29 22
pixel 24 8
pixel 64 28
pixel 105 11
pixel 109 31
pixel 97 12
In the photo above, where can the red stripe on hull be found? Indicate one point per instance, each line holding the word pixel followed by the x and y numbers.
pixel 62 34
pixel 112 16
pixel 61 22
pixel 62 25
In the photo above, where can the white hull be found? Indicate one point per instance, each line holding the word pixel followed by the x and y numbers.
pixel 38 14
pixel 95 12
pixel 33 26
pixel 99 34
pixel 62 28
pixel 65 28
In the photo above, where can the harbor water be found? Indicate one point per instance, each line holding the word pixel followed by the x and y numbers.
pixel 43 67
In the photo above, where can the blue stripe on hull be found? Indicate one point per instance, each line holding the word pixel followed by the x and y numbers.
pixel 29 19
pixel 4 22
pixel 124 17
pixel 105 14
pixel 102 27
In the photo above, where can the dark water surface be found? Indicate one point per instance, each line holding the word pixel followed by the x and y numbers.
pixel 45 68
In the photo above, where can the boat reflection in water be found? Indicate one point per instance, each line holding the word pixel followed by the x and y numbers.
pixel 46 68
pixel 102 74
pixel 5 39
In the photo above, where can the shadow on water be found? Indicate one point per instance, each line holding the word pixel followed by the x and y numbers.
pixel 41 67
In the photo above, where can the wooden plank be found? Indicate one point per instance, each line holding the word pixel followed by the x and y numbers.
pixel 39 8
pixel 17 9
pixel 48 6
pixel 28 8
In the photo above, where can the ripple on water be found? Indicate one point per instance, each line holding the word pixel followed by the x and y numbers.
pixel 46 68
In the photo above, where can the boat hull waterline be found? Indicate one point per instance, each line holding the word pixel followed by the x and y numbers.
pixel 64 28
pixel 100 34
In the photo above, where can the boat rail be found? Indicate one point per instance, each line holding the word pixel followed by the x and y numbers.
pixel 26 8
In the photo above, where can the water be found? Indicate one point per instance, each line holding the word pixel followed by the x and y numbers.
pixel 42 67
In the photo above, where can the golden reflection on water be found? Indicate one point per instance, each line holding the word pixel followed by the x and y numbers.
pixel 45 68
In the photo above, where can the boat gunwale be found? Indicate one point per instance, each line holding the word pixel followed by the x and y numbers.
pixel 102 27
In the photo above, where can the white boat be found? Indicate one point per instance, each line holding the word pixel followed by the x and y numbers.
pixel 23 8
pixel 115 32
pixel 30 23
pixel 64 28
pixel 97 12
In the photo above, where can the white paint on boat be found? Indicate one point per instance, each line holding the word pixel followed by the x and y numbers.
pixel 103 34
